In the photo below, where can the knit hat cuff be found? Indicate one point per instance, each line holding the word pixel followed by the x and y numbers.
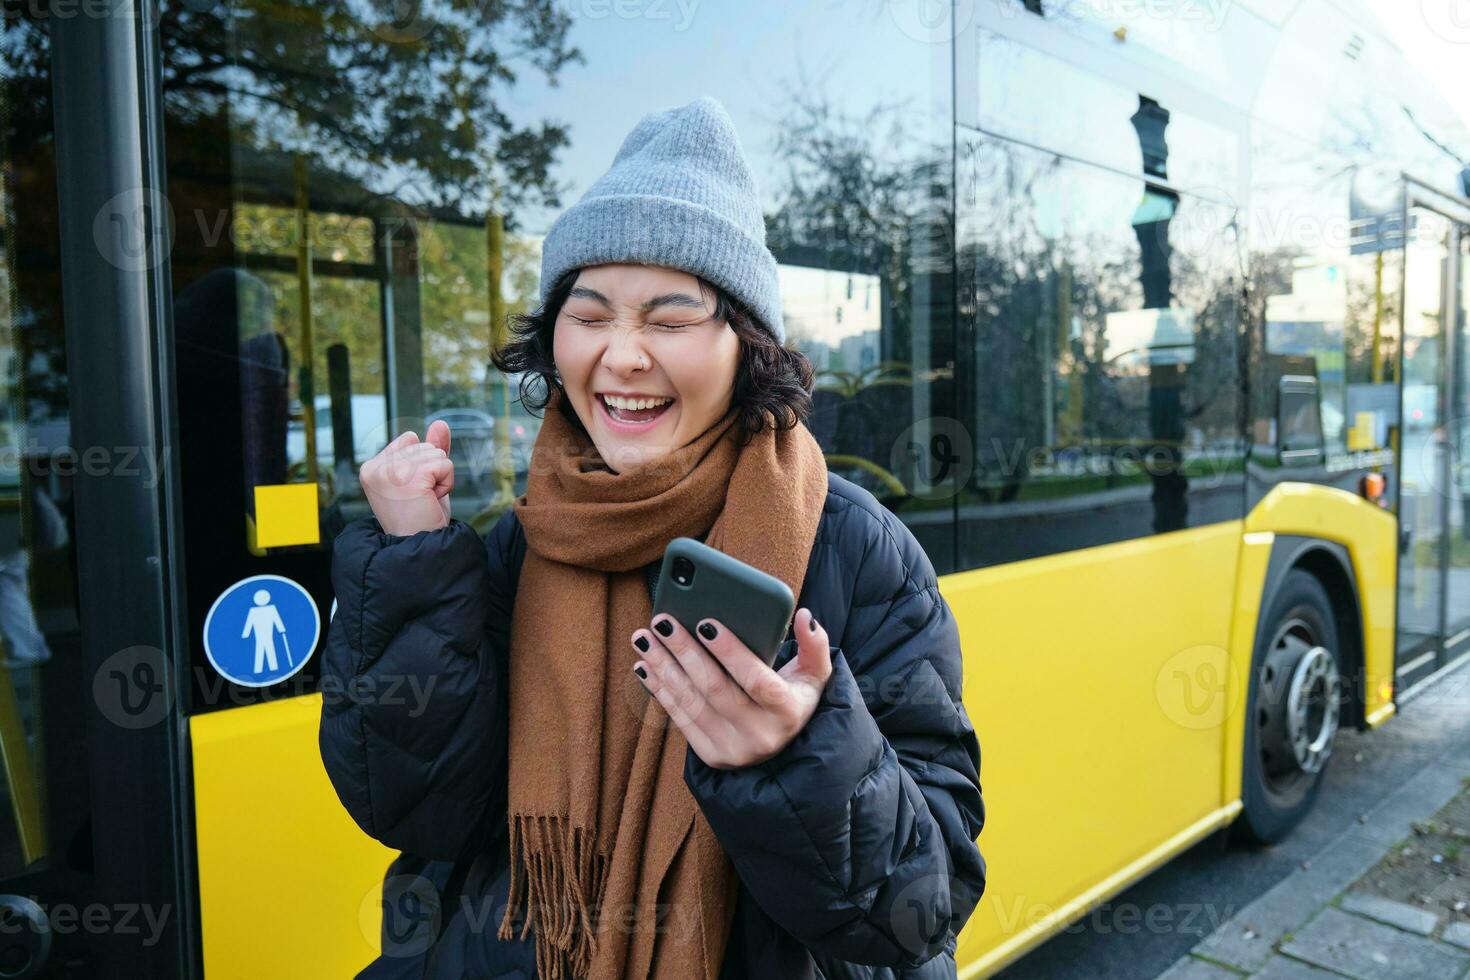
pixel 651 230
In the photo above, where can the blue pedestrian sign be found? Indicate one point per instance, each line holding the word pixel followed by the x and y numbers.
pixel 261 630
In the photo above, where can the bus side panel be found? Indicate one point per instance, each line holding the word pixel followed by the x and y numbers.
pixel 288 885
pixel 1370 534
pixel 1250 579
pixel 1092 678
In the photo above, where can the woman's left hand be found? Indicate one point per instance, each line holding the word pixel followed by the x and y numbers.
pixel 741 722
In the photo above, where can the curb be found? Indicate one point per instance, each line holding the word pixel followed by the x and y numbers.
pixel 1244 943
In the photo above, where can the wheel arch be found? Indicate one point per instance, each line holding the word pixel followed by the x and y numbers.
pixel 1331 564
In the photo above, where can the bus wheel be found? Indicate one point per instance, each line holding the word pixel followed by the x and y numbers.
pixel 1292 710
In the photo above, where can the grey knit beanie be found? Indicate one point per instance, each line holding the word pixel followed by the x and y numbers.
pixel 679 194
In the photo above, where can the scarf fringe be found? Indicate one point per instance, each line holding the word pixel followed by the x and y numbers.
pixel 542 851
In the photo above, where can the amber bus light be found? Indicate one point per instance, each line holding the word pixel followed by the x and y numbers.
pixel 1371 486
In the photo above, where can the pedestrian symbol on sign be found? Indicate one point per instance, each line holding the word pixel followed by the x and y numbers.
pixel 263 621
pixel 261 630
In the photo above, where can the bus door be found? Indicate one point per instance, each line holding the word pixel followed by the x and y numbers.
pixel 93 882
pixel 315 317
pixel 1434 458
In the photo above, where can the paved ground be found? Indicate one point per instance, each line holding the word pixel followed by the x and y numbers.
pixel 1322 922
pixel 1399 767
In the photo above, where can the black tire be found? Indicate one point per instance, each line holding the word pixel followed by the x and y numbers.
pixel 1276 790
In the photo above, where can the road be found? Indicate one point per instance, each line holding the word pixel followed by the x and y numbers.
pixel 1187 898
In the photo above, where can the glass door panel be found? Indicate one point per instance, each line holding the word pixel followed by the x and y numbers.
pixel 1434 514
pixel 1457 576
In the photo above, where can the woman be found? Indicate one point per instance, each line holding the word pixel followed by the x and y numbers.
pixel 586 790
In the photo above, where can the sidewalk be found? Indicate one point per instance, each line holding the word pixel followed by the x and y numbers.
pixel 1389 899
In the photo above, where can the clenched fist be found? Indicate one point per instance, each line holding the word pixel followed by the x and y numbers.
pixel 408 483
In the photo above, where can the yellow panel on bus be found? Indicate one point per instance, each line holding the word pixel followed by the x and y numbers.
pixel 1106 685
pixel 284 873
pixel 1089 677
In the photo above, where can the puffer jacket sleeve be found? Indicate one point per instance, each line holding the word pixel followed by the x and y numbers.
pixel 412 710
pixel 858 838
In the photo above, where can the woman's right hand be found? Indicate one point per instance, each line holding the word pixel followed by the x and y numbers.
pixel 408 483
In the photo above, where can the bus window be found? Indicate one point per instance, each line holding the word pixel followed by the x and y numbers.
pixel 1104 327
pixel 350 247
pixel 1300 421
pixel 1034 96
pixel 1327 258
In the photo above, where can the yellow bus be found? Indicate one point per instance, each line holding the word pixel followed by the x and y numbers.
pixel 1147 318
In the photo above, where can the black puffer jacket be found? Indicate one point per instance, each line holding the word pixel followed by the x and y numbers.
pixel 855 845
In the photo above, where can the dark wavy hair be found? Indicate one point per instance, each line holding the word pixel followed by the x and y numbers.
pixel 773 384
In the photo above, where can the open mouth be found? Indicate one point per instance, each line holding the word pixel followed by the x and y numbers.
pixel 633 413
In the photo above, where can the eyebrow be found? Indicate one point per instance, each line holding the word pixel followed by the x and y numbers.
pixel 667 299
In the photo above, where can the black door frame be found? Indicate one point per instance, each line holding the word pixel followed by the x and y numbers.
pixel 1447 652
pixel 115 286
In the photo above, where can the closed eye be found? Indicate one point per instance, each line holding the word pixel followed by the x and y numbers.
pixel 680 326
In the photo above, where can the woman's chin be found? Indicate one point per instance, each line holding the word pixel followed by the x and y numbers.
pixel 620 454
pixel 623 451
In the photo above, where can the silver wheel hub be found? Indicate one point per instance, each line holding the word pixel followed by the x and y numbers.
pixel 1312 708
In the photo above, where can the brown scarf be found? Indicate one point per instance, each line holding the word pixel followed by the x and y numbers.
pixel 608 847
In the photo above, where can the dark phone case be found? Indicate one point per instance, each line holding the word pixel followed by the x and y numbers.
pixel 756 607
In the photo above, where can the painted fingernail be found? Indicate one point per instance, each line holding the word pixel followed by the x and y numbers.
pixel 640 671
pixel 665 627
pixel 641 642
pixel 813 624
pixel 708 631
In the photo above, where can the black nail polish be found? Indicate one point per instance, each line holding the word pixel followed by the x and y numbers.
pixel 812 624
pixel 641 642
pixel 665 627
pixel 708 631
pixel 641 672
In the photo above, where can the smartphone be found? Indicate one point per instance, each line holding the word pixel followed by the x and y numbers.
pixel 697 582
